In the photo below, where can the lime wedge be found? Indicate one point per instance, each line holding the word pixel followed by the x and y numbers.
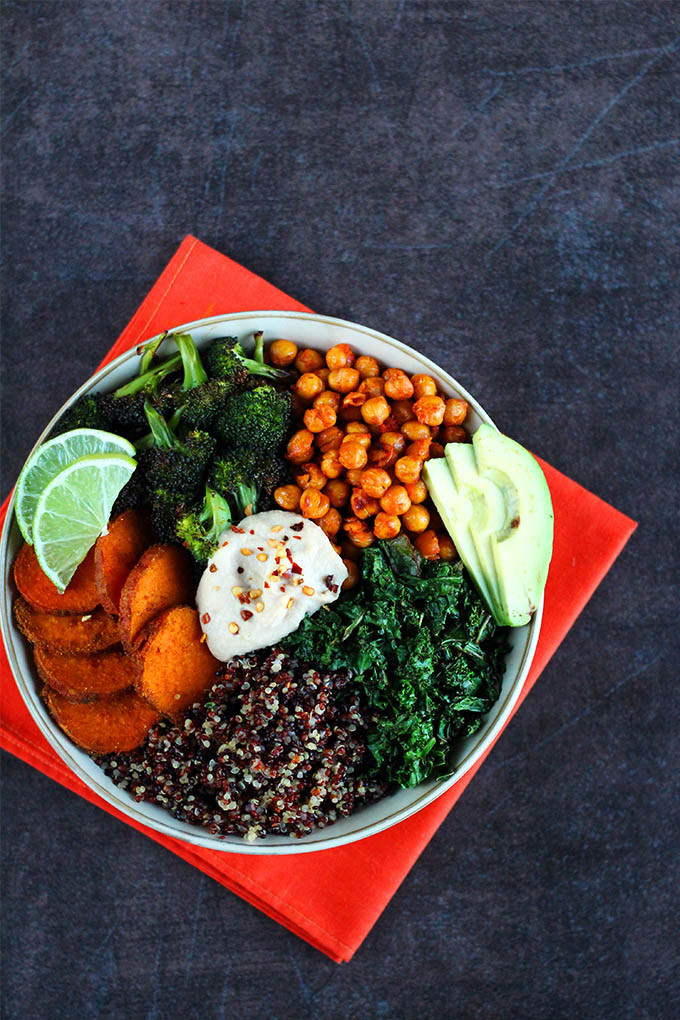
pixel 74 510
pixel 49 459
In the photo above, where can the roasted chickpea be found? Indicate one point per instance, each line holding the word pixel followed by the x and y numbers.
pixel 430 410
pixel 436 450
pixel 372 387
pixel 340 356
pixel 353 574
pixel 427 545
pixel 317 419
pixel 352 453
pixel 415 430
pixel 416 518
pixel 354 399
pixel 349 412
pixel 419 448
pixel 367 367
pixel 329 439
pixel 349 550
pixel 447 549
pixel 382 455
pixel 402 410
pixel 330 464
pixel 308 386
pixel 353 476
pixel 288 497
pixel 453 434
pixel 344 380
pixel 314 503
pixel 338 492
pixel 398 386
pixel 417 491
pixel 283 353
pixel 395 439
pixel 356 427
pixel 331 522
pixel 323 374
pixel 358 532
pixel 311 477
pixel 455 412
pixel 308 360
pixel 407 469
pixel 363 505
pixel 395 500
pixel 300 446
pixel 375 482
pixel 386 525
pixel 423 386
pixel 375 411
pixel 328 397
pixel 364 438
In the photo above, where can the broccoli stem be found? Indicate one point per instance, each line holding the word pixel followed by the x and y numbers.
pixel 148 352
pixel 149 379
pixel 161 433
pixel 149 440
pixel 194 372
pixel 256 365
pixel 259 347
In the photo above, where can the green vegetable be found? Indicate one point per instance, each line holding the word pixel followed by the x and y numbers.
pixel 258 418
pixel 419 639
pixel 178 466
pixel 200 529
pixel 245 475
pixel 226 359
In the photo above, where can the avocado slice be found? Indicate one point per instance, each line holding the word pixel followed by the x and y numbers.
pixel 456 509
pixel 522 548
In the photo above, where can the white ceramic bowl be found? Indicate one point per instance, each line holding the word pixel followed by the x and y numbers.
pixel 306 330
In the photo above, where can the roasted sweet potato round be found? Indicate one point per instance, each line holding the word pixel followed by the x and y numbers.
pixel 74 634
pixel 176 665
pixel 116 553
pixel 86 678
pixel 161 579
pixel 80 596
pixel 115 724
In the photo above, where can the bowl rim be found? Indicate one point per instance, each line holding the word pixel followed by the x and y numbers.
pixel 62 745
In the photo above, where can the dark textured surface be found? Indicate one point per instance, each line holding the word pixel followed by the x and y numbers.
pixel 495 184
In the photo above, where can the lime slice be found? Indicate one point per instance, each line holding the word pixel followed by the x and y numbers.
pixel 74 510
pixel 49 459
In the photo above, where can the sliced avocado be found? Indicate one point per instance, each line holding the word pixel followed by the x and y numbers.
pixel 522 547
pixel 455 510
pixel 487 507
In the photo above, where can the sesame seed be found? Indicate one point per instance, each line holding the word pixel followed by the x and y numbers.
pixel 259 606
pixel 289 603
pixel 262 557
pixel 246 552
pixel 277 527
pixel 236 591
pixel 234 628
pixel 255 593
pixel 307 590
pixel 272 543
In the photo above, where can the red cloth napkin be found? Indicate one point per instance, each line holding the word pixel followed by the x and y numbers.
pixel 331 898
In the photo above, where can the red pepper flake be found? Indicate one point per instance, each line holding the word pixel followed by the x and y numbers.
pixel 297 527
pixel 239 570
pixel 252 531
pixel 224 543
pixel 289 555
pixel 299 537
pixel 244 598
pixel 275 573
pixel 266 584
pixel 205 618
pixel 297 569
pixel 282 588
pixel 239 531
pixel 212 568
pixel 260 548
pixel 246 614
pixel 329 584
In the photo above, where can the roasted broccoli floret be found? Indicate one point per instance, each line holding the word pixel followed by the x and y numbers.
pixel 178 466
pixel 255 419
pixel 226 359
pixel 123 409
pixel 166 512
pixel 246 475
pixel 200 529
pixel 86 413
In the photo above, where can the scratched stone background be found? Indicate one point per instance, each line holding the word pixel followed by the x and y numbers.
pixel 496 184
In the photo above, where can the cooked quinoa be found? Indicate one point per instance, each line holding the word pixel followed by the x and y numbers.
pixel 275 748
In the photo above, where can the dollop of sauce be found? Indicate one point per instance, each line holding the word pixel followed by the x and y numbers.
pixel 268 573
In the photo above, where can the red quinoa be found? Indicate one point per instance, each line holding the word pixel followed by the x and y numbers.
pixel 275 748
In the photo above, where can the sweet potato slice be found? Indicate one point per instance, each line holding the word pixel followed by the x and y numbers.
pixel 177 666
pixel 67 635
pixel 86 678
pixel 161 579
pixel 116 553
pixel 79 597
pixel 116 724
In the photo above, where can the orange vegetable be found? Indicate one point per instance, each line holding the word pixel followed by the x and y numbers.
pixel 115 724
pixel 116 553
pixel 86 677
pixel 161 578
pixel 79 597
pixel 73 634
pixel 176 666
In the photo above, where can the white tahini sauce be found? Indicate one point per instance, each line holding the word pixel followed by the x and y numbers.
pixel 268 573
